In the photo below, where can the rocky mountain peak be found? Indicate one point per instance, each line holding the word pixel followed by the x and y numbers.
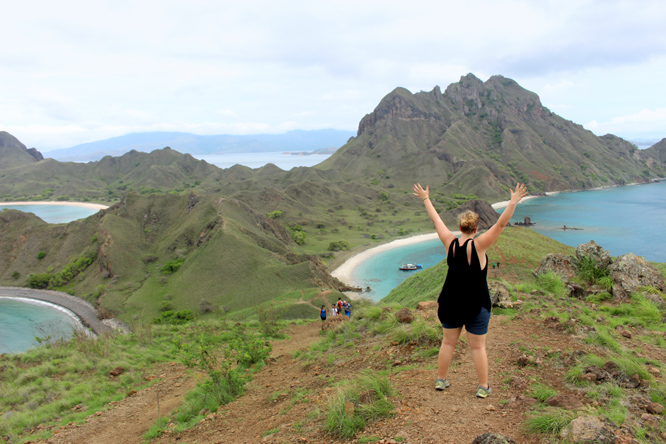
pixel 14 153
pixel 398 104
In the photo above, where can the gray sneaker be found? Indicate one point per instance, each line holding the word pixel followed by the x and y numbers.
pixel 483 392
pixel 441 384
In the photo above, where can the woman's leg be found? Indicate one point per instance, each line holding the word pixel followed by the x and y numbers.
pixel 449 342
pixel 478 345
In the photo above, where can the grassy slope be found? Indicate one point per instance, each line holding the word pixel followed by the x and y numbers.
pixel 232 257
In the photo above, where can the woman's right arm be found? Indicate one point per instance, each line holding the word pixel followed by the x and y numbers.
pixel 445 235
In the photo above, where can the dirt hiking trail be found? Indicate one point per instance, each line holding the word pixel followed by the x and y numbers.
pixel 287 399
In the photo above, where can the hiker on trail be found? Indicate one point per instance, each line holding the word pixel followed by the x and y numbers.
pixel 322 313
pixel 334 310
pixel 465 300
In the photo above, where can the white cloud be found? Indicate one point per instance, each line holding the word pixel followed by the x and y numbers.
pixel 645 123
pixel 77 70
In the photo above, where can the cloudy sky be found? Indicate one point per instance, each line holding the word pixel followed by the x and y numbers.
pixel 79 71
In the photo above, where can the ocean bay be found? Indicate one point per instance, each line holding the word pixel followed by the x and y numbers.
pixel 22 320
pixel 284 161
pixel 56 213
pixel 620 219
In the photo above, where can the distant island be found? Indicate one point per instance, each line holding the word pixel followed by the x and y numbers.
pixel 323 151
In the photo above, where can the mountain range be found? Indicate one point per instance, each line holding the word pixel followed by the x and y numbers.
pixel 470 142
pixel 297 140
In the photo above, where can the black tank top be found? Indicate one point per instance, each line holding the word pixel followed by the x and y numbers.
pixel 465 289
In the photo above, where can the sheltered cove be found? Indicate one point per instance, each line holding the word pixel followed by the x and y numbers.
pixel 81 308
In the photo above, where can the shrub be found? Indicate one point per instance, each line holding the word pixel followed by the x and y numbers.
pixel 41 255
pixel 174 317
pixel 338 245
pixel 298 236
pixel 40 280
pixel 171 267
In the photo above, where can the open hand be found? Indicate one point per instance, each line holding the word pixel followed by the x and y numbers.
pixel 519 193
pixel 420 192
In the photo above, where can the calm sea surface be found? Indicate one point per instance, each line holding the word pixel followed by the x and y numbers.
pixel 257 160
pixel 54 214
pixel 621 220
pixel 21 320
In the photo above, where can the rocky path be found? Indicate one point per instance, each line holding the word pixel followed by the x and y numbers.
pixel 286 400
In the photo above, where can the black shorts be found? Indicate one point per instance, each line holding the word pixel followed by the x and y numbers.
pixel 477 326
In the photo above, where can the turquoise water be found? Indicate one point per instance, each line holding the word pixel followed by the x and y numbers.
pixel 54 214
pixel 380 272
pixel 21 320
pixel 621 220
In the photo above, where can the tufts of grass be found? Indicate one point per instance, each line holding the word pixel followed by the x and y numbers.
pixel 590 271
pixel 604 338
pixel 359 401
pixel 599 297
pixel 542 392
pixel 552 283
pixel 548 421
pixel 418 332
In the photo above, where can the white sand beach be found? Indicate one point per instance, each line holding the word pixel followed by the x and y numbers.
pixel 92 206
pixel 505 203
pixel 344 272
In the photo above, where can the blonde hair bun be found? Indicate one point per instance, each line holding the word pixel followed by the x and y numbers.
pixel 468 221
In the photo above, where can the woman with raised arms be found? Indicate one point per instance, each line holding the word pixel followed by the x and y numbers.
pixel 465 300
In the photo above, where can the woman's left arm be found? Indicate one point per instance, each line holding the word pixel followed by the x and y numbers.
pixel 487 239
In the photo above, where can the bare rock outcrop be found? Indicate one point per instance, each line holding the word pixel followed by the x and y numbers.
pixel 493 438
pixel 592 250
pixel 500 297
pixel 404 316
pixel 588 428
pixel 630 272
pixel 560 264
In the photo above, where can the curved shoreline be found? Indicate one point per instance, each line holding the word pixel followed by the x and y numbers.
pixel 344 272
pixel 84 311
pixel 92 206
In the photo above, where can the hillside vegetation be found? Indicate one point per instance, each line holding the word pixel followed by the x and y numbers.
pixel 363 380
pixel 162 253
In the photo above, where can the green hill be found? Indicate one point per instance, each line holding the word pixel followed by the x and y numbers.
pixel 183 252
pixel 108 179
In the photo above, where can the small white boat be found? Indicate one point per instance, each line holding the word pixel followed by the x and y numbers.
pixel 409 267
